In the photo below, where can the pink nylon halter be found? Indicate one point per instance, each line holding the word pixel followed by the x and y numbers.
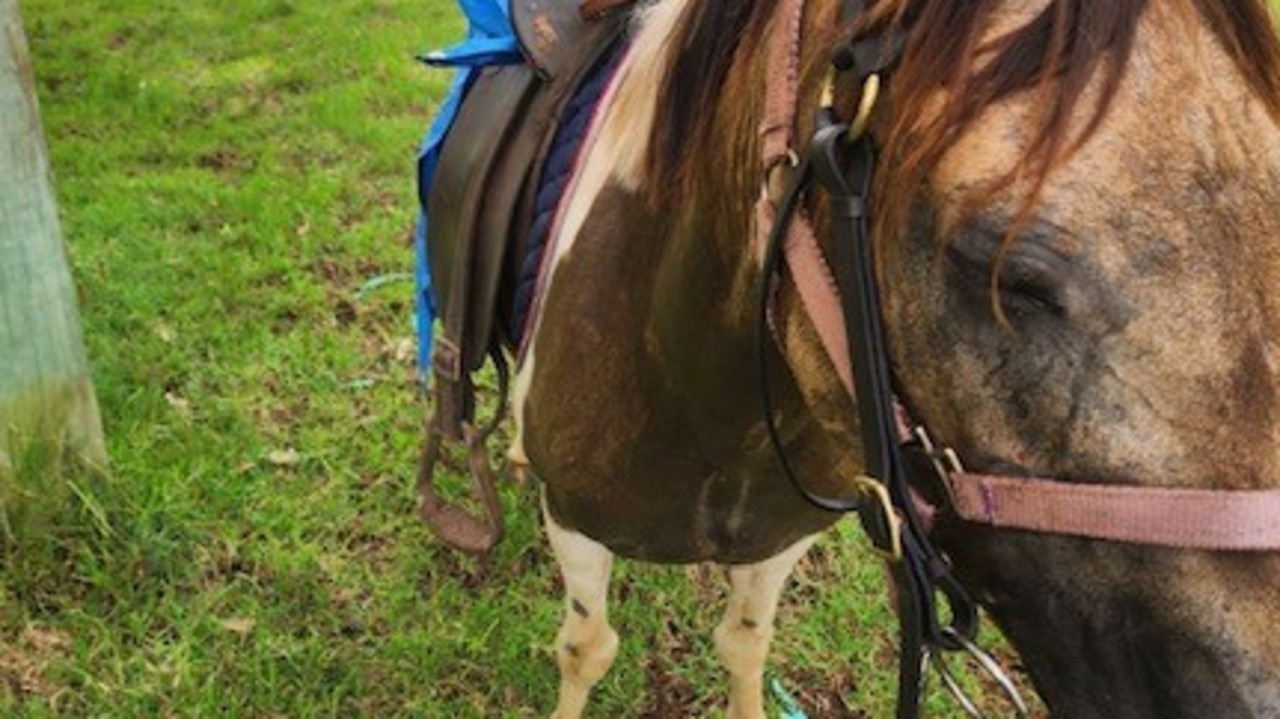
pixel 1208 519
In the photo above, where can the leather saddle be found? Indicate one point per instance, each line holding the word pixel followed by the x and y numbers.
pixel 481 206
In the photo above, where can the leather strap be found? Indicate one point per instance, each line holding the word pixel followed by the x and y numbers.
pixel 810 273
pixel 845 306
pixel 1211 519
pixel 777 129
pixel 815 284
pixel 449 521
pixel 922 574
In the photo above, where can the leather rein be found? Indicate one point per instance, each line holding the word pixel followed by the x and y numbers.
pixel 842 300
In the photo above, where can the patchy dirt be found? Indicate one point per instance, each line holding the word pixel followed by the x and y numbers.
pixel 471 574
pixel 344 313
pixel 824 695
pixel 671 694
pixel 25 660
pixel 226 160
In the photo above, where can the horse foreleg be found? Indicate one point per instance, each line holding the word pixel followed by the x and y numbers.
pixel 586 644
pixel 743 636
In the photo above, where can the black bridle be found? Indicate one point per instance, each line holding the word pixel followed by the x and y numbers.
pixel 936 614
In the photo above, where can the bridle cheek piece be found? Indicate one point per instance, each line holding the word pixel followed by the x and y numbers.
pixel 841 297
pixel 935 612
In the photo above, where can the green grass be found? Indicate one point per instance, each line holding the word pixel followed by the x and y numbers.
pixel 230 176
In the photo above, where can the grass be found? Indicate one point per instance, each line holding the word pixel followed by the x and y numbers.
pixel 231 175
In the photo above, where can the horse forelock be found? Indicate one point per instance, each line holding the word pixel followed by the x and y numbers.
pixel 1074 53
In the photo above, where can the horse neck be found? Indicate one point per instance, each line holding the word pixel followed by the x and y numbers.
pixel 732 169
pixel 712 193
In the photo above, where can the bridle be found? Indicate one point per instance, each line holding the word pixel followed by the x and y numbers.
pixel 842 300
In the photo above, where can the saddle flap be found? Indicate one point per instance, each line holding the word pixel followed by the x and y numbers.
pixel 464 198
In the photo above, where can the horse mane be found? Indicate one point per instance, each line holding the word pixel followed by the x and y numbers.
pixel 1058 54
pixel 700 54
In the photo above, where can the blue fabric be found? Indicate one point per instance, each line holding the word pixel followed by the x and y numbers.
pixel 490 41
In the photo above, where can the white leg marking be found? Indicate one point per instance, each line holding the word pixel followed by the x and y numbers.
pixel 516 456
pixel 743 636
pixel 586 644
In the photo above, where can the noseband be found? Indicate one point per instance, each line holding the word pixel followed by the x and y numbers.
pixel 842 300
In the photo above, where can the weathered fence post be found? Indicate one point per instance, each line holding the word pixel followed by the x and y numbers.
pixel 48 411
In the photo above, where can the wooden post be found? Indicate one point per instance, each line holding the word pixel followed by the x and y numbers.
pixel 48 411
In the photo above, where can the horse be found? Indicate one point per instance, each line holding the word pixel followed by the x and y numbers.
pixel 1075 233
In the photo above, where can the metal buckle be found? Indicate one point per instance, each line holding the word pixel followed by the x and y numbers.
pixel 778 175
pixel 945 461
pixel 866 103
pixel 871 488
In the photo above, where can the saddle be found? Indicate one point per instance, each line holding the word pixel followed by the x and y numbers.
pixel 481 205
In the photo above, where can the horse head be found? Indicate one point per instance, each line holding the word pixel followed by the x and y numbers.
pixel 1079 268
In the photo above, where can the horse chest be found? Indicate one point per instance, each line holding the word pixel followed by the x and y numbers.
pixel 641 421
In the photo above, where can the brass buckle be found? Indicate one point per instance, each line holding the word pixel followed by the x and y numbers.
pixel 778 175
pixel 866 103
pixel 945 461
pixel 873 489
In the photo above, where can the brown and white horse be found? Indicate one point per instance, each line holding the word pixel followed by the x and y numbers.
pixel 1078 226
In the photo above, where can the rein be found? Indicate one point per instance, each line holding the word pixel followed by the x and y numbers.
pixel 841 298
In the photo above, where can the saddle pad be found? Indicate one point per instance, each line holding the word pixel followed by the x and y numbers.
pixel 557 172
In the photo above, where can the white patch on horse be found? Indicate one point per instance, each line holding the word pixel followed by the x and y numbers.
pixel 613 151
pixel 618 143
pixel 586 645
pixel 743 635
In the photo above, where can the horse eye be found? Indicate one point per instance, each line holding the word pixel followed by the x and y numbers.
pixel 1030 286
pixel 1032 275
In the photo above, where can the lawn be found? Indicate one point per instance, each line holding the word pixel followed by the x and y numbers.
pixel 236 187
